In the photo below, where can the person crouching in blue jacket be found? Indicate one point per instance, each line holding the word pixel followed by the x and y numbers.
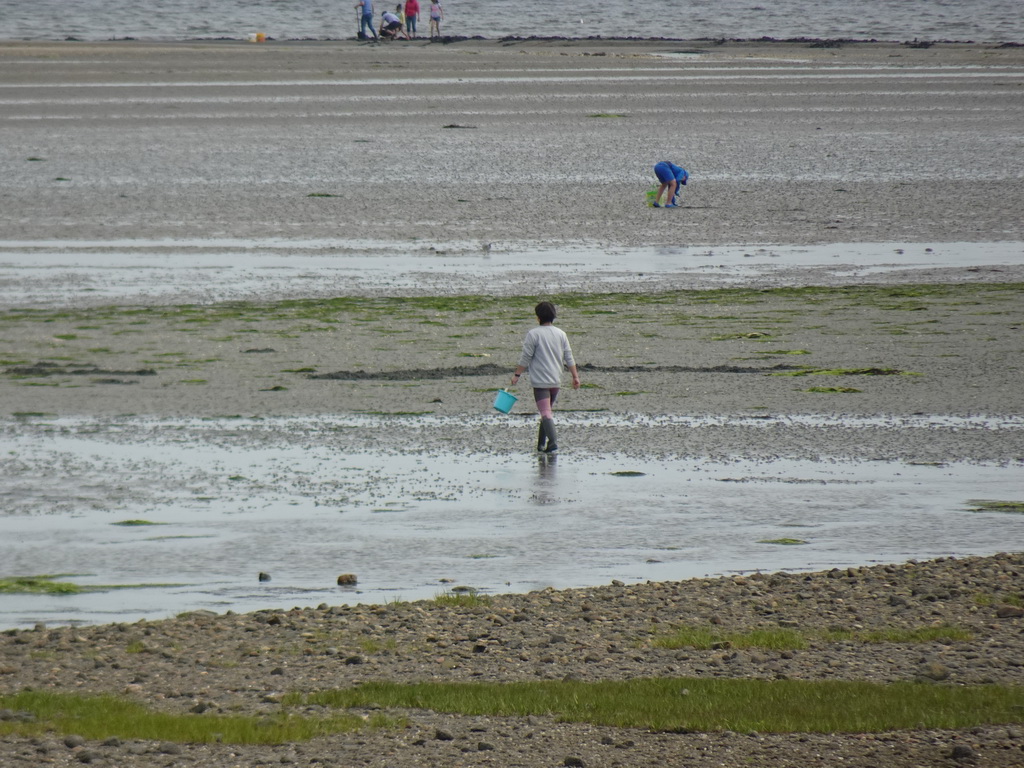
pixel 672 177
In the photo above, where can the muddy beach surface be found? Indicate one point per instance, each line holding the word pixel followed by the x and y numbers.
pixel 483 142
pixel 309 266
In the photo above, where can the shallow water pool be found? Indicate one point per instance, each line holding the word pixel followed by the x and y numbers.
pixel 35 273
pixel 227 499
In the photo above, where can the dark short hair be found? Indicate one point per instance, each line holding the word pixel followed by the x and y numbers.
pixel 545 312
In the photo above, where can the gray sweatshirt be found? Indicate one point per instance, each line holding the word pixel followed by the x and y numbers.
pixel 546 353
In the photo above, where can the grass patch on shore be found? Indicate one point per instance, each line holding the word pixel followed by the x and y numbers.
pixel 694 705
pixel 376 646
pixel 785 639
pixel 708 638
pixel 103 717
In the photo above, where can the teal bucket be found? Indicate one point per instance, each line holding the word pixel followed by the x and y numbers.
pixel 504 400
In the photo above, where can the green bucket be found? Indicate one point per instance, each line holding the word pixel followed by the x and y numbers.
pixel 504 400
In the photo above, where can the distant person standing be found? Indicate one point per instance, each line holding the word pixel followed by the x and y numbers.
pixel 436 16
pixel 366 19
pixel 672 177
pixel 546 353
pixel 412 15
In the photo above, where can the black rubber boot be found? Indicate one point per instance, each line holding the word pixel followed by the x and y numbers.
pixel 542 438
pixel 548 427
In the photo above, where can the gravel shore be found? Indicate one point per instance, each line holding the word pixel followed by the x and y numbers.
pixel 512 145
pixel 209 664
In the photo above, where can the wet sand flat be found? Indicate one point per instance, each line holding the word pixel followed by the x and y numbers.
pixel 881 350
pixel 527 142
pixel 499 147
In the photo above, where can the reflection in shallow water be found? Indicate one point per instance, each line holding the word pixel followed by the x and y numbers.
pixel 546 488
pixel 291 498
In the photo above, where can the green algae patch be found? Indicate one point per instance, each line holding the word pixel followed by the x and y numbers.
pixel 48 585
pixel 987 505
pixel 39 585
pixel 373 309
pixel 784 542
pixel 136 522
pixel 627 473
pixel 748 316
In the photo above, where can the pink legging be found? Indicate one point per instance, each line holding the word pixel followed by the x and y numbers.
pixel 545 398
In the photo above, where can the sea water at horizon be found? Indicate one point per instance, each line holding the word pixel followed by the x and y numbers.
pixel 891 20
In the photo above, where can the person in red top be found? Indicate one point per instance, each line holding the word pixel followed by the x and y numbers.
pixel 412 13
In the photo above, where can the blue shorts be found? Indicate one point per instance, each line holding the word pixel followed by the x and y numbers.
pixel 664 172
